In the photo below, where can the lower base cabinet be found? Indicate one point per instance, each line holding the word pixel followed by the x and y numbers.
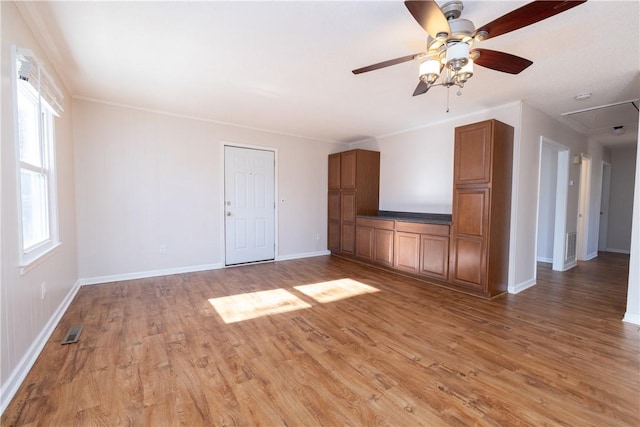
pixel 434 259
pixel 415 248
pixel 374 240
pixel 407 252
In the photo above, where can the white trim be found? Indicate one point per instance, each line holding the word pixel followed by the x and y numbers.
pixel 545 260
pixel 180 270
pixel 591 256
pixel 631 318
pixel 439 122
pixel 11 385
pixel 29 263
pixel 146 274
pixel 303 255
pixel 202 119
pixel 569 265
pixel 522 286
pixel 618 251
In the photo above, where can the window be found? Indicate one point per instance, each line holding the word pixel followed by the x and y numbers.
pixel 35 158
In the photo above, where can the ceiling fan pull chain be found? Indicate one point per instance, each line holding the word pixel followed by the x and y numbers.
pixel 448 91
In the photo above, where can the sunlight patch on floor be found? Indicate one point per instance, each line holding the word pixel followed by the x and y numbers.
pixel 236 308
pixel 335 290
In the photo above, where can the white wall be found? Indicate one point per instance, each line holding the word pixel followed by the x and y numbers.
pixel 623 167
pixel 26 317
pixel 416 166
pixel 632 313
pixel 536 124
pixel 146 179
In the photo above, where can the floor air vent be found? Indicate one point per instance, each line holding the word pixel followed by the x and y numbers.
pixel 73 334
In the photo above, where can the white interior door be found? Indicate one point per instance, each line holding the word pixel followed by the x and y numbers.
pixel 249 205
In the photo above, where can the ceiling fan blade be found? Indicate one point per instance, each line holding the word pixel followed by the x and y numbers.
pixel 429 16
pixel 385 64
pixel 526 15
pixel 500 61
pixel 421 88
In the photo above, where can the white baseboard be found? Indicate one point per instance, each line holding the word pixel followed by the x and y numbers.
pixel 631 318
pixel 10 387
pixel 569 265
pixel 302 255
pixel 545 260
pixel 521 286
pixel 591 256
pixel 618 251
pixel 146 274
pixel 179 270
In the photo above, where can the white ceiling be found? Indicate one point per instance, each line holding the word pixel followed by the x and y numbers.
pixel 286 66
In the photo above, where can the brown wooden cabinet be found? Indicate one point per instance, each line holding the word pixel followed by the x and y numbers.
pixel 374 240
pixel 483 158
pixel 354 184
pixel 422 249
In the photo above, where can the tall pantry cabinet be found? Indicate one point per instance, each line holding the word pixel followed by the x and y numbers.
pixel 483 157
pixel 354 185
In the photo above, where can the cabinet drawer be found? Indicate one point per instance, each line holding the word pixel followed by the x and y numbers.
pixel 375 223
pixel 415 227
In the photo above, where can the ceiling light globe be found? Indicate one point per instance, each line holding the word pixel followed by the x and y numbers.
pixel 457 55
pixel 430 70
pixel 465 72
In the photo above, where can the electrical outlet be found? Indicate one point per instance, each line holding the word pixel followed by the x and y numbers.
pixel 163 249
pixel 43 289
pixel 317 236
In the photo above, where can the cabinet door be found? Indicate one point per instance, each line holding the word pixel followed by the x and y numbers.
pixel 383 241
pixel 434 256
pixel 472 164
pixel 334 171
pixel 469 263
pixel 348 206
pixel 348 238
pixel 348 170
pixel 471 211
pixel 333 204
pixel 333 238
pixel 407 252
pixel 365 237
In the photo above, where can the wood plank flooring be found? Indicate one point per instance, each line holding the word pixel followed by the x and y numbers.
pixel 326 341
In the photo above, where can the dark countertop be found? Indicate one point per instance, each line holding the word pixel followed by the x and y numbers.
pixel 423 218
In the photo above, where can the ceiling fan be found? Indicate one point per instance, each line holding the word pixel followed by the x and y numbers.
pixel 450 41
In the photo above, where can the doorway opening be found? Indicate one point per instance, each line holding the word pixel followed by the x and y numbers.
pixel 553 181
pixel 604 207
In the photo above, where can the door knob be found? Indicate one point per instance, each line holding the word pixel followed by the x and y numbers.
pixel 228 213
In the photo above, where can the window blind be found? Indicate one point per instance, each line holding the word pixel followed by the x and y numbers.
pixel 31 70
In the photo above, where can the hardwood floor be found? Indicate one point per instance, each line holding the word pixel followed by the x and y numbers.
pixel 325 341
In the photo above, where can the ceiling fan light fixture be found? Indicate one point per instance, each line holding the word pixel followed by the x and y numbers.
pixel 430 70
pixel 465 72
pixel 481 35
pixel 457 55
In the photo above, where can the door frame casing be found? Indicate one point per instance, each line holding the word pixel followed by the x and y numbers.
pixel 561 194
pixel 222 211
